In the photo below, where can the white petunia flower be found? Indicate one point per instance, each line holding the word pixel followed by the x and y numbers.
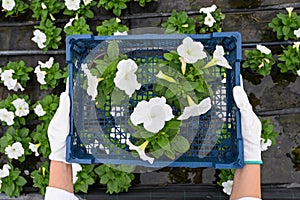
pixel 72 4
pixel 290 10
pixel 40 38
pixel 265 144
pixel 48 64
pixel 8 4
pixel 208 9
pixel 44 7
pixel 39 111
pixel 40 75
pixel 69 23
pixel 7 116
pixel 7 78
pixel 191 51
pixel 141 150
pixel 92 82
pixel 34 148
pixel 218 58
pixel 22 107
pixel 227 186
pixel 152 114
pixel 263 49
pixel 297 33
pixel 4 172
pixel 87 2
pixel 126 78
pixel 209 20
pixel 121 33
pixel 298 72
pixel 14 151
pixel 195 109
pixel 75 169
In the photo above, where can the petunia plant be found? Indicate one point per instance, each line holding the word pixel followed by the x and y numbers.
pixel 284 25
pixel 78 8
pixel 111 27
pixel 289 60
pixel 48 74
pixel 40 177
pixel 45 9
pixel 210 19
pixel 77 26
pixel 259 60
pixel 179 22
pixel 47 35
pixel 14 7
pixel 143 3
pixel 15 75
pixel 115 5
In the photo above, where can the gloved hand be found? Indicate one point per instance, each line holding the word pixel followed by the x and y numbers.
pixel 251 127
pixel 59 128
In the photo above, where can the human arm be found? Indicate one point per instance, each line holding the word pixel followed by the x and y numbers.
pixel 61 179
pixel 247 179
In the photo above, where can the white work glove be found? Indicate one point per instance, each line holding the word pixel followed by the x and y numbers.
pixel 59 128
pixel 251 127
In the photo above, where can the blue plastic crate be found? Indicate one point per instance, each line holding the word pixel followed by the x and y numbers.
pixel 215 137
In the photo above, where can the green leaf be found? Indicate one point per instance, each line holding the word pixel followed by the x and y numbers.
pixel 21 181
pixel 180 144
pixel 113 50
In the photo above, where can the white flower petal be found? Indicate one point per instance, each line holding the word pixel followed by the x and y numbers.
pixel 40 75
pixel 218 55
pixel 92 82
pixel 227 186
pixel 22 107
pixel 263 49
pixel 69 23
pixel 265 144
pixel 121 33
pixel 298 72
pixel 8 4
pixel 191 51
pixel 7 116
pixel 209 20
pixel 141 150
pixel 196 110
pixel 208 9
pixel 39 111
pixel 14 151
pixel 72 4
pixel 75 169
pixel 39 38
pixel 152 114
pixel 126 78
pixel 34 148
pixel 48 64
pixel 297 33
pixel 87 2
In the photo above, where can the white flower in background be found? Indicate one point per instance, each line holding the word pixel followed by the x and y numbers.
pixel 209 20
pixel 218 58
pixel 40 38
pixel 8 4
pixel 92 82
pixel 227 186
pixel 140 150
pixel 87 2
pixel 195 109
pixel 161 75
pixel 298 72
pixel 297 33
pixel 118 133
pixel 290 10
pixel 0 70
pixel 121 33
pixel 191 51
pixel 44 7
pixel 39 111
pixel 263 49
pixel 75 169
pixel 152 114
pixel 264 144
pixel 7 116
pixel 126 78
pixel 118 20
pixel 208 9
pixel 34 148
pixel 72 4
pixel 14 151
pixel 69 23
pixel 22 107
pixel 4 172
pixel 40 75
pixel 7 78
pixel 48 64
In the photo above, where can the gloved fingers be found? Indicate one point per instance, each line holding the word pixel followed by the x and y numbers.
pixel 241 98
pixel 241 81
